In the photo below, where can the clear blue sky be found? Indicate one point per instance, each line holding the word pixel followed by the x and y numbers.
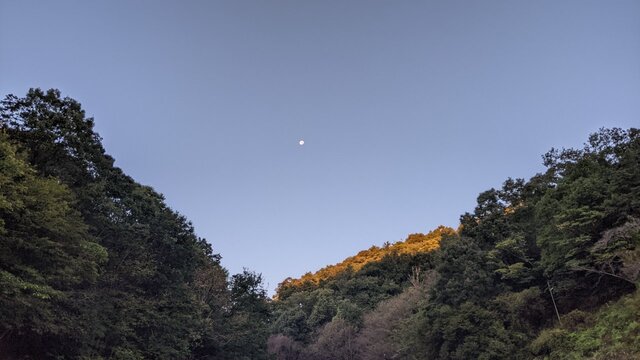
pixel 408 109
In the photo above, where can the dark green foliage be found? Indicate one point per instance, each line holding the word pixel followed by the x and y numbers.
pixel 611 333
pixel 104 267
pixel 596 191
pixel 574 227
pixel 248 318
pixel 301 311
pixel 570 235
pixel 464 273
pixel 48 257
pixel 95 265
pixel 488 224
pixel 468 331
pixel 152 250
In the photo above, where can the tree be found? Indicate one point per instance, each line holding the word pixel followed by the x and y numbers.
pixel 467 331
pixel 284 347
pixel 248 318
pixel 596 190
pixel 335 341
pixel 387 331
pixel 47 256
pixel 143 303
pixel 464 274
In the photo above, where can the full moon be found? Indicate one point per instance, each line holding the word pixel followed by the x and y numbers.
pixel 301 142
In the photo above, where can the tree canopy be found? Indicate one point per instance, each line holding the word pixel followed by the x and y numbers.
pixel 94 265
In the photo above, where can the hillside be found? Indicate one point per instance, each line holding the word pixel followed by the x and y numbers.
pixel 611 332
pixel 545 268
pixel 95 265
pixel 414 244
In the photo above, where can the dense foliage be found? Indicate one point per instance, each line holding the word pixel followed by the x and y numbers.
pixel 94 265
pixel 414 244
pixel 521 278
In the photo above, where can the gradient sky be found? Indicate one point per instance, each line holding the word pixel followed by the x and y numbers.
pixel 408 109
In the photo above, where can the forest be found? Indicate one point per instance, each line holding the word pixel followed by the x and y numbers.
pixel 94 265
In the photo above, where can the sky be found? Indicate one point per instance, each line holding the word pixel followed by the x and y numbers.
pixel 408 109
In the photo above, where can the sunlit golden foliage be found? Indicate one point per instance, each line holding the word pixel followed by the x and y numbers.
pixel 413 244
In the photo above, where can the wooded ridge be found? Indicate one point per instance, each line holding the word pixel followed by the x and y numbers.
pixel 94 265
